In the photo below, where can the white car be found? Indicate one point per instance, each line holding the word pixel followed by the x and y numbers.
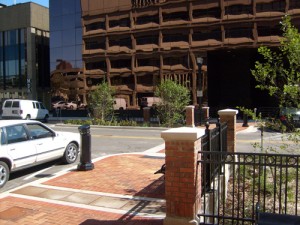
pixel 26 143
pixel 71 105
pixel 59 105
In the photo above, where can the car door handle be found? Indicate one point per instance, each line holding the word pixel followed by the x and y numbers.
pixel 12 149
pixel 40 144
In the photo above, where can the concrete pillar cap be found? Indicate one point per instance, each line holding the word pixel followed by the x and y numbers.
pixel 183 134
pixel 228 112
pixel 190 107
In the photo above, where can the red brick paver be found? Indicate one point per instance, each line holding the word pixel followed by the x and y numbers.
pixel 29 212
pixel 126 174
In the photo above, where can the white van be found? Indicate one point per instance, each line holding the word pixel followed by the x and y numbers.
pixel 119 104
pixel 24 109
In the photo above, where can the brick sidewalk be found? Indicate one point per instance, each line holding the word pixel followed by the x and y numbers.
pixel 128 175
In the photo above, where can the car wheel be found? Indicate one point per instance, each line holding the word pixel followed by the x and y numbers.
pixel 71 107
pixel 46 119
pixel 27 117
pixel 71 153
pixel 4 173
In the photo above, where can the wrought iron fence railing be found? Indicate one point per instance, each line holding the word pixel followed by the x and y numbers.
pixel 244 179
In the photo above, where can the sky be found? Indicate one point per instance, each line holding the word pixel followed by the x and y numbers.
pixel 11 2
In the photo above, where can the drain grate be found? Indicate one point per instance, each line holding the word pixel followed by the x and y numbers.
pixel 14 213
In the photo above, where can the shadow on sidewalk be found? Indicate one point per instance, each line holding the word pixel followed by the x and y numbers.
pixel 154 190
pixel 124 222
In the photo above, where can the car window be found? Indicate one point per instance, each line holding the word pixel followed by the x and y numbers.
pixel 16 133
pixel 16 104
pixel 8 104
pixel 42 106
pixel 37 131
pixel 33 104
pixel 3 137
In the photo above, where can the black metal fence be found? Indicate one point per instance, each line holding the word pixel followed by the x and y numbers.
pixel 243 179
pixel 213 140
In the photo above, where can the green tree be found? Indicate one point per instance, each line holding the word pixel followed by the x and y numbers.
pixel 101 101
pixel 279 73
pixel 174 99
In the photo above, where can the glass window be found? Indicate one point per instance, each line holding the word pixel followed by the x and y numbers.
pixel 237 32
pixel 38 131
pixel 78 20
pixel 56 23
pixel 68 6
pixel 55 7
pixel 238 9
pixel 3 137
pixel 205 34
pixel 15 104
pixel 68 37
pixel 78 64
pixel 175 16
pixel 294 4
pixel 78 36
pixel 16 133
pixel 8 104
pixel 78 7
pixel 56 39
pixel 69 53
pixel 68 21
pixel 211 12
pixel 41 105
pixel 147 19
pixel 1 59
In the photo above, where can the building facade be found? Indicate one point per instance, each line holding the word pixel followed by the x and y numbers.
pixel 24 52
pixel 134 44
pixel 66 50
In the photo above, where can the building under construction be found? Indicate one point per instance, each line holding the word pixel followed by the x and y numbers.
pixel 134 44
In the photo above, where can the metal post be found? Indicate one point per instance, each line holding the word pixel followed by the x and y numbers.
pixel 262 138
pixel 85 153
pixel 245 120
pixel 199 86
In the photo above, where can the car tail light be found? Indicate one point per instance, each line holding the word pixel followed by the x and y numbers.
pixel 21 111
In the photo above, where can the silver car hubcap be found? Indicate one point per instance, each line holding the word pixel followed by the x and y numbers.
pixel 3 174
pixel 72 153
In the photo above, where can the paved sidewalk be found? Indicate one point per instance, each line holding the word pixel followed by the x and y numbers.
pixel 120 190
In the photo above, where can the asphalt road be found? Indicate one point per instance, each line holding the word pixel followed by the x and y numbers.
pixel 254 140
pixel 104 141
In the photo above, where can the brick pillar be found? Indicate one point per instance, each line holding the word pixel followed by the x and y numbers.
pixel 182 181
pixel 190 116
pixel 229 116
pixel 146 114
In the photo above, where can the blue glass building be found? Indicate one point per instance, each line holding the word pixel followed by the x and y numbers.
pixel 66 50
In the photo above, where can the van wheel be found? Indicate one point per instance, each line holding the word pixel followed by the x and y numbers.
pixel 4 173
pixel 46 119
pixel 27 117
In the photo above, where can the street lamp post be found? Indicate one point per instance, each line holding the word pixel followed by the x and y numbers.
pixel 199 86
